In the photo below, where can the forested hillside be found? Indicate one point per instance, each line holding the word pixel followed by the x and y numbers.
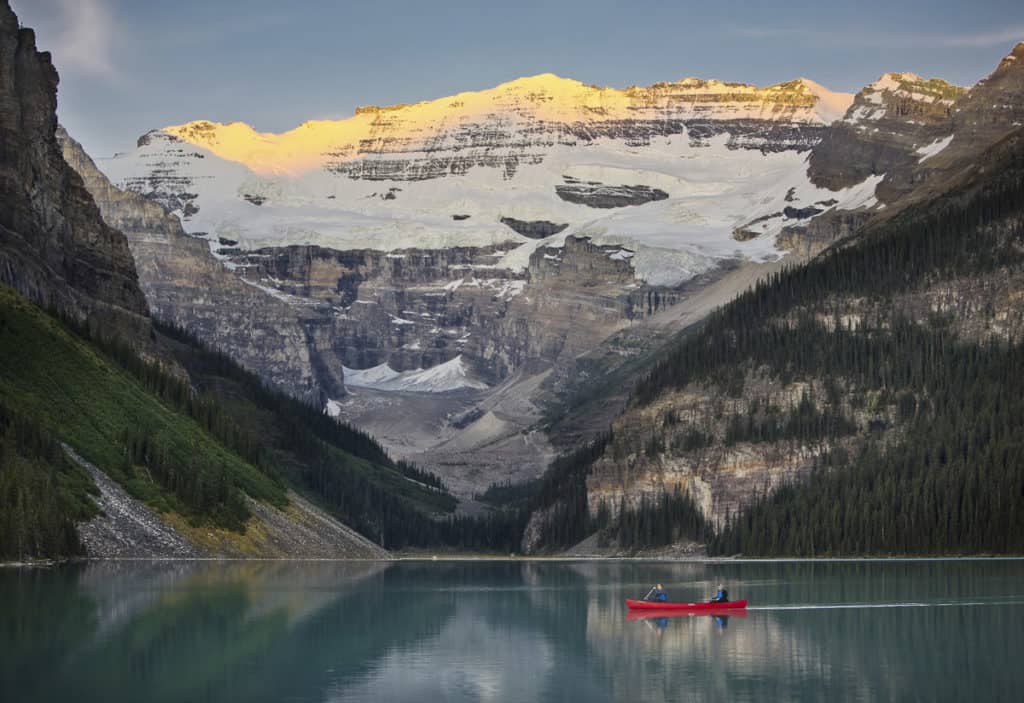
pixel 190 433
pixel 882 382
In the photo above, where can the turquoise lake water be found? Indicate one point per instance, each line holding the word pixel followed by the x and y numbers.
pixel 509 631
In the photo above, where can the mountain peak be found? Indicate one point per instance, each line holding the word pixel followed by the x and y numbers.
pixel 831 106
pixel 910 85
pixel 538 79
pixel 1014 58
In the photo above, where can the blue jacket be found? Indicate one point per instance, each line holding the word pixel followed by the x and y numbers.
pixel 721 596
pixel 661 596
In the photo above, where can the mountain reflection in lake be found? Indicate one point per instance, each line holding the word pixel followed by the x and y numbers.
pixel 508 631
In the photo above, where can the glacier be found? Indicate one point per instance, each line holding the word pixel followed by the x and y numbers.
pixel 444 173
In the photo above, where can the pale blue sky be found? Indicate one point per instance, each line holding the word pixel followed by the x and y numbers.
pixel 128 66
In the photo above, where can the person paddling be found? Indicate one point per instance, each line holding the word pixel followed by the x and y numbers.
pixel 659 594
pixel 722 596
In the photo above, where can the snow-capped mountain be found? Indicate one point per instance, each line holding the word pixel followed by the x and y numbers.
pixel 668 170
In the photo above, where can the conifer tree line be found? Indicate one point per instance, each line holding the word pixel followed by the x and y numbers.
pixel 201 486
pixel 803 423
pixel 42 493
pixel 562 495
pixel 655 521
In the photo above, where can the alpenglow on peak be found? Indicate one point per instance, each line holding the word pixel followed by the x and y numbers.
pixel 544 98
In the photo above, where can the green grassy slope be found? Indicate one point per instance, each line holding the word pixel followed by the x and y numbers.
pixel 192 447
pixel 64 384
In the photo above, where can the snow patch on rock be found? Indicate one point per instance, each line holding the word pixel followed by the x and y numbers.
pixel 452 375
pixel 930 150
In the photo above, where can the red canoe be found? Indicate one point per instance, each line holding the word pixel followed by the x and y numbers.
pixel 695 607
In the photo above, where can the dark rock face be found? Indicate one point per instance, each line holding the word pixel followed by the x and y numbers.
pixel 887 123
pixel 743 234
pixel 417 308
pixel 994 106
pixel 810 238
pixel 534 229
pixel 54 246
pixel 801 213
pixel 599 195
pixel 897 126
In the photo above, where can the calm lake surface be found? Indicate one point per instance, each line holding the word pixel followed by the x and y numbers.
pixel 509 631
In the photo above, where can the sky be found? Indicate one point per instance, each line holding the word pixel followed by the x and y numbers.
pixel 129 66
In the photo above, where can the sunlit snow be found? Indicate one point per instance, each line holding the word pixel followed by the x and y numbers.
pixel 268 190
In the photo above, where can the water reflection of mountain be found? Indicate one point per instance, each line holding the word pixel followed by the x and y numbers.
pixel 508 631
pixel 193 631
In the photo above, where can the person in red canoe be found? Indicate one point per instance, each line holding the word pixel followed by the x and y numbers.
pixel 722 596
pixel 657 594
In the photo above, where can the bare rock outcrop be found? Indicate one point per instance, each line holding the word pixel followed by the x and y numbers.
pixel 127 528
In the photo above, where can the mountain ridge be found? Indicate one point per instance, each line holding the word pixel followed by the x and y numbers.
pixel 579 102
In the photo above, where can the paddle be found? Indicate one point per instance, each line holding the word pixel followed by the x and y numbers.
pixel 649 592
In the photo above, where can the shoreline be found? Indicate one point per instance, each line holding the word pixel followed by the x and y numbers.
pixel 48 563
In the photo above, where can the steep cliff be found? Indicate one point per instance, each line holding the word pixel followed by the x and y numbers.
pixel 920 137
pixel 55 247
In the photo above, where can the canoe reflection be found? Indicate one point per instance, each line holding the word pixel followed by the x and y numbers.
pixel 660 617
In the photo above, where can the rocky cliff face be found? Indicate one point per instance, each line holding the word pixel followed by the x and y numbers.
pixel 185 285
pixel 992 109
pixel 888 122
pixel 55 247
pixel 517 123
pixel 917 137
pixel 298 314
pixel 417 308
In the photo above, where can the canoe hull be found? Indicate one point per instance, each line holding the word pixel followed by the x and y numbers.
pixel 691 607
